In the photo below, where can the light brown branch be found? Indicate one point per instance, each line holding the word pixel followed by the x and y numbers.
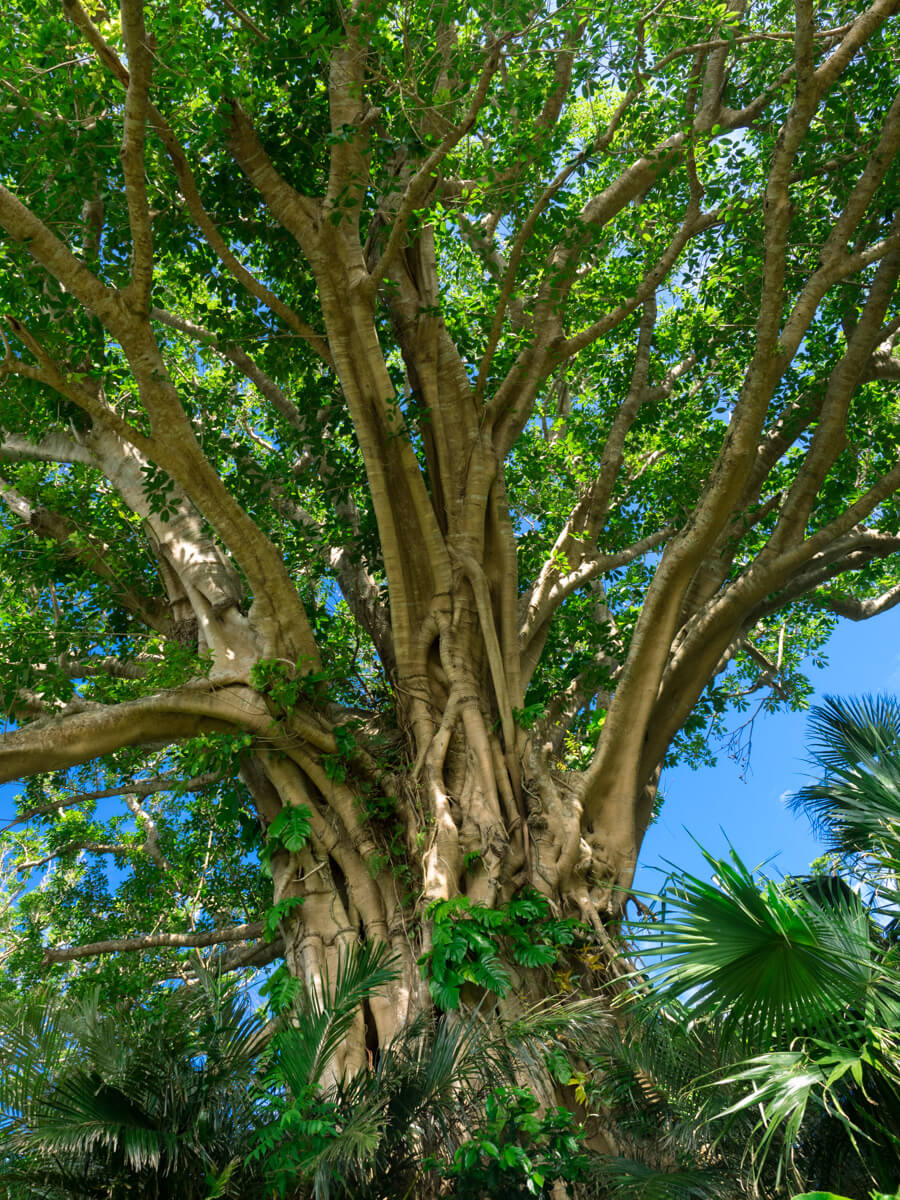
pixel 86 549
pixel 134 133
pixel 148 787
pixel 854 609
pixel 78 16
pixel 266 386
pixel 76 848
pixel 55 743
pixel 153 941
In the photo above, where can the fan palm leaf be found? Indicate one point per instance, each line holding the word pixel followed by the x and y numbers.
pixel 855 743
pixel 767 958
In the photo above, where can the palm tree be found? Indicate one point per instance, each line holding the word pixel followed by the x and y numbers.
pixel 855 806
pixel 802 978
pixel 148 1101
pixel 193 1096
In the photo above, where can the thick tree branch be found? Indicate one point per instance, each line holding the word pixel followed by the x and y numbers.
pixel 53 447
pixel 22 225
pixel 54 743
pixel 853 609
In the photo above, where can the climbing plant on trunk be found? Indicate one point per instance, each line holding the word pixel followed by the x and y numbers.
pixel 417 423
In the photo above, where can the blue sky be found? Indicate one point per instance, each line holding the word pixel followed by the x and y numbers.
pixel 717 806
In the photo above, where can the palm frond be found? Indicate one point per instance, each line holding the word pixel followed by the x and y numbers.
pixel 856 744
pixel 92 1099
pixel 767 958
pixel 322 1017
pixel 784 1086
pixel 629 1179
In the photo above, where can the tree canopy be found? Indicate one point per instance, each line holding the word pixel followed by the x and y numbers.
pixel 418 423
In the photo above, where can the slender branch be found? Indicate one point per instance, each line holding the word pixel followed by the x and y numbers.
pixel 694 222
pixel 86 549
pixel 265 384
pixel 151 831
pixel 77 14
pixel 76 848
pixel 245 20
pixel 134 132
pixel 148 787
pixel 418 187
pixel 153 941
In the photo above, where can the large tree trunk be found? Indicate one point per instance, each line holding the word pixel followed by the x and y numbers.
pixel 470 797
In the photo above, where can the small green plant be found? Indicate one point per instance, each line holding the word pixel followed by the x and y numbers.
pixel 276 912
pixel 517 1153
pixel 526 717
pixel 279 680
pixel 469 939
pixel 289 831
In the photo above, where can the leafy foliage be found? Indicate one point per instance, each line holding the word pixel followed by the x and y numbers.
pixel 384 1131
pixel 516 1151
pixel 469 939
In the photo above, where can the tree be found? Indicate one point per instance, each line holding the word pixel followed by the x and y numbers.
pixel 418 423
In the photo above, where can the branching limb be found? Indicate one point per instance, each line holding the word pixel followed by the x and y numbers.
pixel 79 17
pixel 296 212
pixel 54 743
pixel 418 187
pixel 853 609
pixel 173 446
pixel 86 549
pixel 545 602
pixel 53 447
pixel 151 831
